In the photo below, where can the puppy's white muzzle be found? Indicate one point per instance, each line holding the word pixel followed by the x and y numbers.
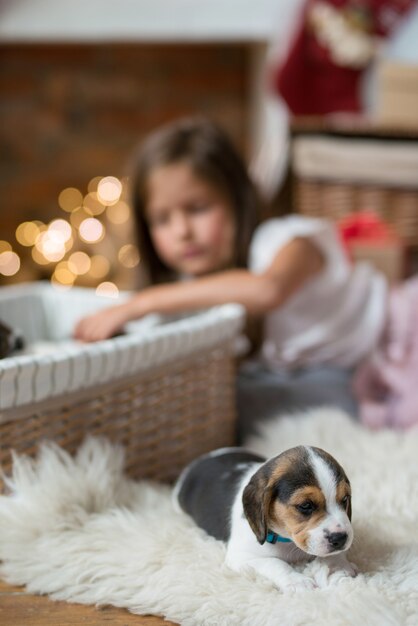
pixel 330 538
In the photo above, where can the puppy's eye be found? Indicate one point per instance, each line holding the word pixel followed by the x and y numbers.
pixel 345 501
pixel 306 508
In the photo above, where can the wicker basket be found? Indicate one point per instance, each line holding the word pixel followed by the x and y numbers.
pixel 164 391
pixel 334 177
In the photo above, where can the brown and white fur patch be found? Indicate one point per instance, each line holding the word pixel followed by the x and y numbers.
pixel 302 494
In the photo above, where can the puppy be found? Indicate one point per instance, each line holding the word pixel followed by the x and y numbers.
pixel 272 513
pixel 10 340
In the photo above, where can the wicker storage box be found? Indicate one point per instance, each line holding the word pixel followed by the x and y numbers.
pixel 163 390
pixel 397 94
pixel 337 176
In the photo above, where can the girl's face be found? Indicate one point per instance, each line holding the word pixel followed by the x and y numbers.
pixel 191 222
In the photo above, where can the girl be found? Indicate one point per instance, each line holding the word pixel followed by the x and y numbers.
pixel 196 212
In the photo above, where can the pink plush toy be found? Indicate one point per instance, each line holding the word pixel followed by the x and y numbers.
pixel 386 385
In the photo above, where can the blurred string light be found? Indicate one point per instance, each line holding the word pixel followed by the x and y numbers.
pixel 91 230
pixel 77 216
pixel 58 279
pixel 107 289
pixel 92 186
pixel 4 246
pixel 109 190
pixel 70 199
pixel 38 257
pixel 55 241
pixel 51 243
pixel 50 247
pixel 79 263
pixel 92 204
pixel 118 213
pixel 62 229
pixel 129 256
pixel 27 233
pixel 63 275
pixel 9 263
pixel 99 266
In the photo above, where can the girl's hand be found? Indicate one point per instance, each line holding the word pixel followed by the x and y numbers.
pixel 101 325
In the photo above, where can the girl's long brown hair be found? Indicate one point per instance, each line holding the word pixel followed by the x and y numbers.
pixel 212 157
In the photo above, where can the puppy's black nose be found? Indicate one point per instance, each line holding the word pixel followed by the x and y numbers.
pixel 337 540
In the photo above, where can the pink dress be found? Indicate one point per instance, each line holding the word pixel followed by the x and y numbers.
pixel 386 384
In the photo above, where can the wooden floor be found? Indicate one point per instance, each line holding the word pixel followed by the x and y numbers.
pixel 18 608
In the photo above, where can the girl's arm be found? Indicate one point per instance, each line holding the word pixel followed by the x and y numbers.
pixel 293 265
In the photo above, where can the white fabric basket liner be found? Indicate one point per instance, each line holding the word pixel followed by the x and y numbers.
pixel 383 163
pixel 43 313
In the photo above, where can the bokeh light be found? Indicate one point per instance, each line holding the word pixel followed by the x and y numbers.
pixel 27 233
pixel 92 186
pixel 60 286
pixel 57 245
pixel 69 244
pixel 118 213
pixel 109 190
pixel 38 257
pixel 63 274
pixel 78 216
pixel 51 244
pixel 107 289
pixel 79 263
pixel 99 267
pixel 4 246
pixel 92 204
pixel 70 199
pixel 91 230
pixel 128 255
pixel 61 227
pixel 9 263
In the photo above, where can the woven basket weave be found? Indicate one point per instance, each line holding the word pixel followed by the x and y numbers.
pixel 178 400
pixel 397 207
pixel 336 177
pixel 164 418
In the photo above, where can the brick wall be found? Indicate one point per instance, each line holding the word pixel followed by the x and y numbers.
pixel 69 113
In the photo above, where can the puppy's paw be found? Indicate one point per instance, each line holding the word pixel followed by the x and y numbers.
pixel 346 567
pixel 330 571
pixel 297 583
pixel 345 570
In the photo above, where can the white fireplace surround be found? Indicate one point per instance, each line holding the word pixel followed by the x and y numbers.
pixel 143 20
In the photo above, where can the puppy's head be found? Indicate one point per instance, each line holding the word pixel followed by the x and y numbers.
pixel 10 340
pixel 304 494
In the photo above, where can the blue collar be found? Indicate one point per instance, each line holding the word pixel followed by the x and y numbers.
pixel 275 538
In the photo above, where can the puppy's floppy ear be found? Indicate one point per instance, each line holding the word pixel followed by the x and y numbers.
pixel 349 508
pixel 256 501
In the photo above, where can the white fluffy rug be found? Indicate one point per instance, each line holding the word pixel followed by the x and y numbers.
pixel 78 530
